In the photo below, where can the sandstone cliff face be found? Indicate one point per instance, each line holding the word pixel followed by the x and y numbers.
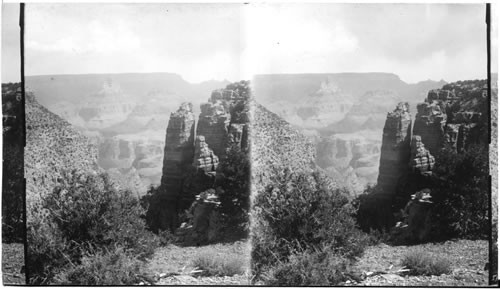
pixel 395 151
pixel 430 123
pixel 179 150
pixel 213 124
pixel 451 116
pixel 421 160
pixel 204 157
pixel 191 160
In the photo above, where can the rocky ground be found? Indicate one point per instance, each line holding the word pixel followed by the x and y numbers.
pixel 380 264
pixel 13 263
pixel 173 265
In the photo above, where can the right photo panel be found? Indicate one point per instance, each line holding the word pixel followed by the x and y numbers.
pixel 370 145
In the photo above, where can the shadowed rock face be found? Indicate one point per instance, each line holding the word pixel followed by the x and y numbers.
pixel 213 124
pixel 430 123
pixel 179 149
pixel 395 150
pixel 453 115
pixel 190 166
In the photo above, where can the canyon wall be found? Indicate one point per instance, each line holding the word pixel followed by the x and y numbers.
pixel 450 117
pixel 179 150
pixel 193 151
pixel 395 151
pixel 350 158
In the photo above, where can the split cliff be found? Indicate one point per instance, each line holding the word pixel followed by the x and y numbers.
pixel 451 119
pixel 194 150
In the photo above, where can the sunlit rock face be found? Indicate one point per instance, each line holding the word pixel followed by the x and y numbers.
pixel 421 160
pixel 204 157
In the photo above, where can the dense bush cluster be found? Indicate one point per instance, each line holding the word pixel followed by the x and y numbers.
pixel 304 231
pixel 460 193
pixel 233 182
pixel 83 225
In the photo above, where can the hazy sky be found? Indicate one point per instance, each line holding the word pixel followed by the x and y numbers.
pixel 11 53
pixel 233 41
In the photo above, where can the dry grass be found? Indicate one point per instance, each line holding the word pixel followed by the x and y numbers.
pixel 422 263
pixel 174 259
pixel 214 264
pixel 12 263
pixel 467 259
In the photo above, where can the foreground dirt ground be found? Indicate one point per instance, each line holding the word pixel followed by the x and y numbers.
pixel 12 263
pixel 380 263
pixel 172 265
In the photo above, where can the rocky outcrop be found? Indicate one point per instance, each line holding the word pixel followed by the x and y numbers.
pixel 204 157
pixel 204 223
pixel 451 117
pixel 190 166
pixel 214 123
pixel 416 221
pixel 179 150
pixel 421 160
pixel 395 151
pixel 430 123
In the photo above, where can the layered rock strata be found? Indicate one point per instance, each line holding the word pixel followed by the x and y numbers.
pixel 395 151
pixel 430 123
pixel 421 160
pixel 214 123
pixel 179 150
pixel 204 159
pixel 190 166
pixel 450 117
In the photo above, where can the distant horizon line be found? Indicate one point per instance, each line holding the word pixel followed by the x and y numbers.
pixel 227 80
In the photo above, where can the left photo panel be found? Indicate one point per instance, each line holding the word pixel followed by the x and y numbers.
pixel 137 145
pixel 13 213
